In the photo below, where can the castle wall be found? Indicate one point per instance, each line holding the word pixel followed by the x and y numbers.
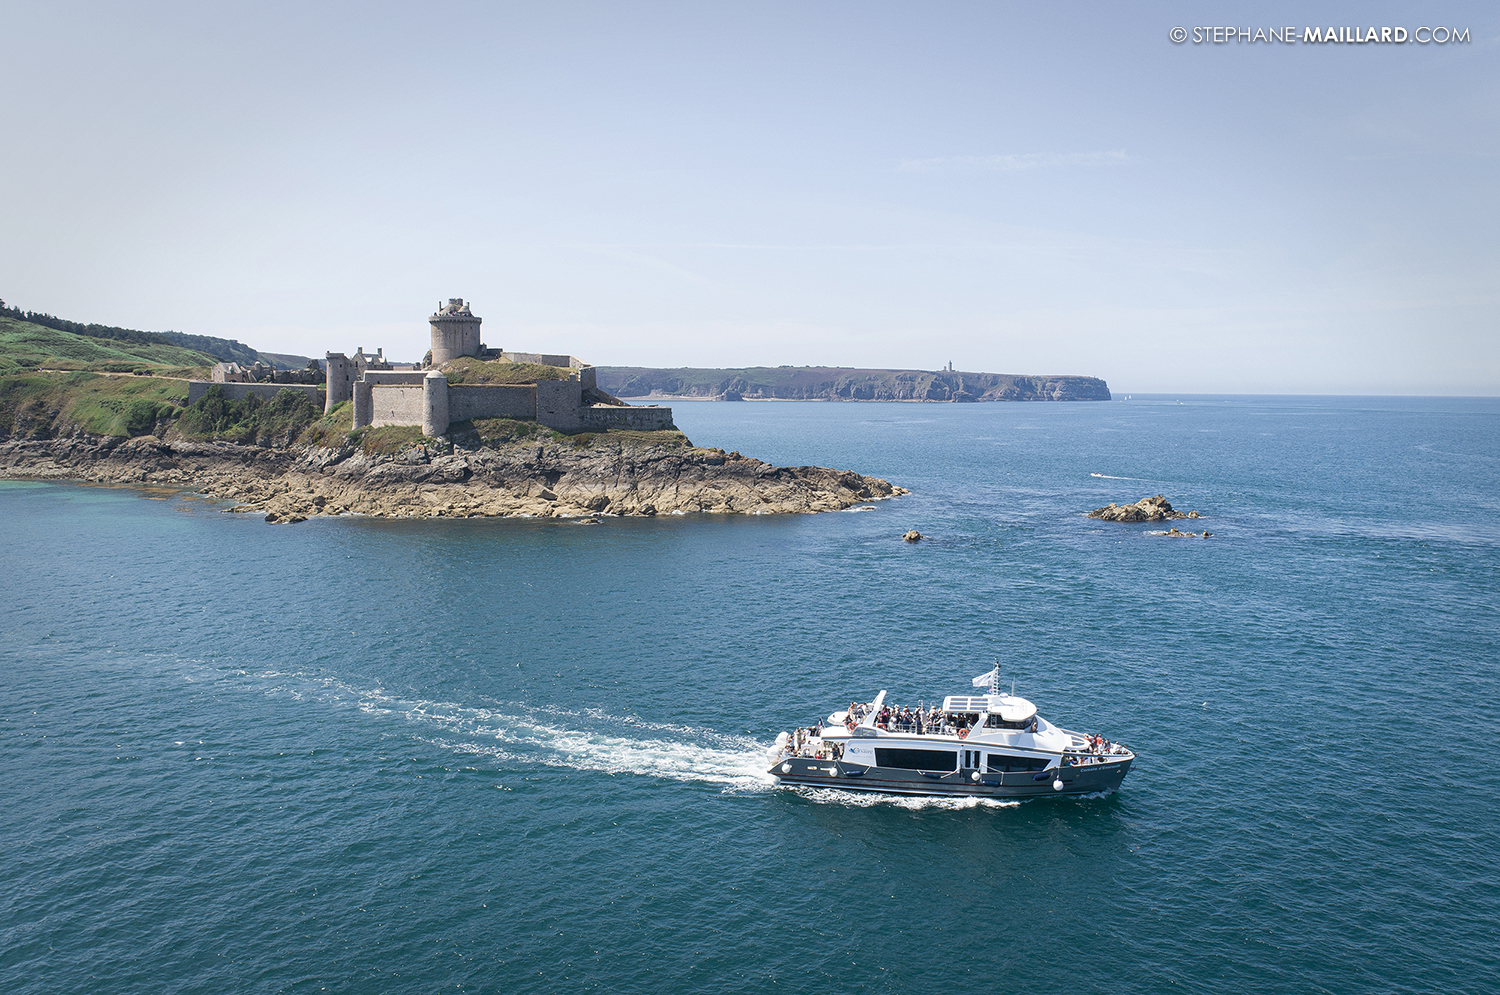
pixel 266 391
pixel 500 401
pixel 395 404
pixel 601 417
pixel 544 359
pixel 557 403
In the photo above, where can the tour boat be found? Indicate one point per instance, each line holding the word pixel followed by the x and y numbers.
pixel 989 746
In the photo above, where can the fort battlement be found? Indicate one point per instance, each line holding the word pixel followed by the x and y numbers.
pixel 426 398
pixel 384 395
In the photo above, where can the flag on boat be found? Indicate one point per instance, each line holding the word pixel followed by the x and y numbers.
pixel 985 680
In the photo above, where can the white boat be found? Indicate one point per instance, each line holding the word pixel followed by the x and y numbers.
pixel 991 745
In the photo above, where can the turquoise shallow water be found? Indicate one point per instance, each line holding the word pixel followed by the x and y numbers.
pixel 524 756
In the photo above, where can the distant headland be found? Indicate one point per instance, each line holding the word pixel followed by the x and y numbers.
pixel 838 383
pixel 468 431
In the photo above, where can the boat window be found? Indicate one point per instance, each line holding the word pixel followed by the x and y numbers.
pixel 1001 762
pixel 996 722
pixel 917 759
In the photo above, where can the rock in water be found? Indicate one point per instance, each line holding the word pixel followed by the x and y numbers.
pixel 1150 509
pixel 913 536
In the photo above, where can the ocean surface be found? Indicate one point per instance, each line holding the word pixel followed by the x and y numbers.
pixel 354 755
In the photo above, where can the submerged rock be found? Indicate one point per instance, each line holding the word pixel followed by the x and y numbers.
pixel 1173 533
pixel 913 536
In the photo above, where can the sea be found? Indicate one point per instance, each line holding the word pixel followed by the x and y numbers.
pixel 515 756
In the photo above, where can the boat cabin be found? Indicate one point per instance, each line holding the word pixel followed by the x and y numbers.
pixel 998 711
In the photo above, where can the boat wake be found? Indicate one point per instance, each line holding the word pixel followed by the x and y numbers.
pixel 871 799
pixel 1105 476
pixel 513 736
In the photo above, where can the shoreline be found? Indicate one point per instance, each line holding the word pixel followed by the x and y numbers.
pixel 547 480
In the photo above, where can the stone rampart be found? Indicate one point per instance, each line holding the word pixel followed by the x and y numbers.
pixel 545 359
pixel 395 404
pixel 558 403
pixel 602 417
pixel 265 391
pixel 491 401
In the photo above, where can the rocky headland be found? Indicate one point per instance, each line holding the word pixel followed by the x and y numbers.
pixel 1148 509
pixel 569 478
pixel 827 383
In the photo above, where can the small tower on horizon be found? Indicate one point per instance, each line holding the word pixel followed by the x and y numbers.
pixel 455 331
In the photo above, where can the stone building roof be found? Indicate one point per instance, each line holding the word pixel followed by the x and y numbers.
pixel 455 308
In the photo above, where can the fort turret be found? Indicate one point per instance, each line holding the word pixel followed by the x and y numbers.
pixel 455 332
pixel 340 381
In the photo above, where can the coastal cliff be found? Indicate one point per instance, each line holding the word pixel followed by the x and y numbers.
pixel 541 479
pixel 831 383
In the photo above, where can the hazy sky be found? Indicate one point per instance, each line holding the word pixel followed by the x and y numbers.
pixel 1018 188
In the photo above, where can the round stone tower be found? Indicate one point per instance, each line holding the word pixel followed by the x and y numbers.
pixel 340 383
pixel 434 404
pixel 455 332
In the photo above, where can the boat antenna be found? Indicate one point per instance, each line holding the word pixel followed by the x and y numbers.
pixel 995 679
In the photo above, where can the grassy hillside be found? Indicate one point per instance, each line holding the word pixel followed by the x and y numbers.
pixel 26 345
pixel 217 349
pixel 46 405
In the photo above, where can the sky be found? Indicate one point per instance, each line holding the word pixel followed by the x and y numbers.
pixel 1015 188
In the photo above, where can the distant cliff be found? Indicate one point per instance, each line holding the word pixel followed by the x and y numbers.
pixel 835 383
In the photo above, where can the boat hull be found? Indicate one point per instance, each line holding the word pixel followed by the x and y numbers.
pixel 1081 780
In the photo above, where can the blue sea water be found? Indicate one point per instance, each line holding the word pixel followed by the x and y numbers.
pixel 523 756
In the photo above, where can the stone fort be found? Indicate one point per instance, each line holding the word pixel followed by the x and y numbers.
pixel 383 394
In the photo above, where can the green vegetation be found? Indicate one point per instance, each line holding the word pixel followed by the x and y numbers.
pixel 333 429
pixel 392 439
pixel 25 345
pixel 250 419
pixel 466 370
pixel 630 437
pixel 134 340
pixel 45 405
pixel 499 431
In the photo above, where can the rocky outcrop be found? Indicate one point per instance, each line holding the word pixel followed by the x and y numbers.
pixel 554 479
pixel 1150 509
pixel 1174 533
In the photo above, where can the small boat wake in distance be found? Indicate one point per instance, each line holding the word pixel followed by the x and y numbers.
pixel 991 746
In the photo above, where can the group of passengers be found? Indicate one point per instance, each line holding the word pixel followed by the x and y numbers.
pixel 922 721
pixel 809 743
pixel 1098 749
pixel 903 718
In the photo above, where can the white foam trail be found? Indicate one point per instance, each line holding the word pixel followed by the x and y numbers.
pixel 870 799
pixel 1105 476
pixel 553 737
pixel 863 507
